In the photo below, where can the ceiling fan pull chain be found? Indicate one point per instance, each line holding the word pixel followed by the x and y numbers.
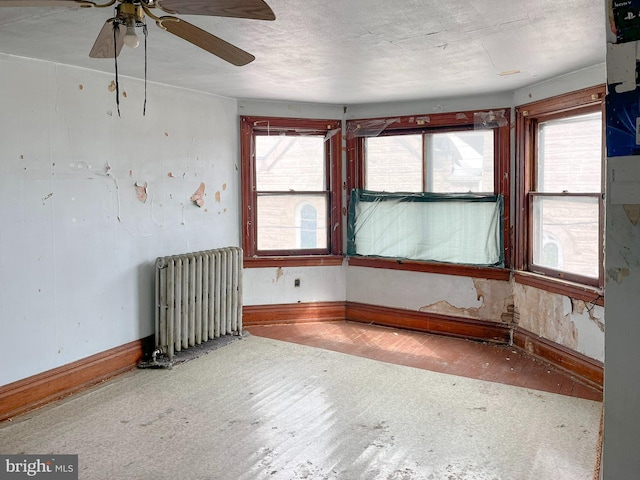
pixel 115 58
pixel 144 108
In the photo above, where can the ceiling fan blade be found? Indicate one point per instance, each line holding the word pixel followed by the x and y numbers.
pixel 103 46
pixel 46 3
pixel 206 41
pixel 253 9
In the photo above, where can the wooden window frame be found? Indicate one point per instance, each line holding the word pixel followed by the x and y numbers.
pixel 528 116
pixel 436 123
pixel 249 127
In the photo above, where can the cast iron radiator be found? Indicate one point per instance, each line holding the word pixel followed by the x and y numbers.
pixel 198 298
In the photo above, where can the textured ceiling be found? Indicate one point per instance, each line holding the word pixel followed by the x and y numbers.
pixel 339 51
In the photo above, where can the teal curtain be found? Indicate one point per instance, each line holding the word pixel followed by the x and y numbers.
pixel 452 228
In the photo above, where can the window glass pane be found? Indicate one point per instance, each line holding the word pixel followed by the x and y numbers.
pixel 460 162
pixel 285 163
pixel 566 234
pixel 285 222
pixel 308 226
pixel 570 155
pixel 394 163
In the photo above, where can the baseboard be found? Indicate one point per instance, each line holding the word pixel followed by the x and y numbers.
pixel 32 392
pixel 429 322
pixel 293 313
pixel 29 393
pixel 585 368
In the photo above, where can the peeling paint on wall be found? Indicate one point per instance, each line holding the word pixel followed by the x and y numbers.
pixel 141 192
pixel 198 196
pixel 217 196
pixel 496 303
pixel 112 86
pixel 279 274
pixel 546 314
pixel 579 307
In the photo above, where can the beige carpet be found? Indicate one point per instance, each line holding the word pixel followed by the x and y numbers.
pixel 264 409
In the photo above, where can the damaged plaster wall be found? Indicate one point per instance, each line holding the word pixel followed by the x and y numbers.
pixel 575 324
pixel 572 323
pixel 89 199
pixel 622 287
pixel 496 303
pixel 458 296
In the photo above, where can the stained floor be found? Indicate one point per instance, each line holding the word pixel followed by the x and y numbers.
pixel 437 353
pixel 260 408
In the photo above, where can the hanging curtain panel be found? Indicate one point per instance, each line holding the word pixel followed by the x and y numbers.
pixel 452 228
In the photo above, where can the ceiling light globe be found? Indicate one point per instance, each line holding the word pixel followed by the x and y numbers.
pixel 130 38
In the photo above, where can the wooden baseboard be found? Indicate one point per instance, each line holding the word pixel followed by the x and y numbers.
pixel 585 368
pixel 293 313
pixel 29 393
pixel 429 322
pixel 32 392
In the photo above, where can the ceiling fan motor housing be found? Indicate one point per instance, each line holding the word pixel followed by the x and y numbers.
pixel 129 10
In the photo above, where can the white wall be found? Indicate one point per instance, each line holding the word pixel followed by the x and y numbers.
pixel 585 78
pixel 425 107
pixel 276 285
pixel 77 246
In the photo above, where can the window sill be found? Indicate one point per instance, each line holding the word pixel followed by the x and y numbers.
pixel 492 273
pixel 293 261
pixel 563 287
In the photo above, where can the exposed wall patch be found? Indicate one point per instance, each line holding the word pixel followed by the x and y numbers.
pixel 112 86
pixel 141 192
pixel 496 302
pixel 546 314
pixel 217 196
pixel 279 274
pixel 198 196
pixel 579 306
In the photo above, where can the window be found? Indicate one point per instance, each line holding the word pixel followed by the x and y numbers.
pixel 430 188
pixel 291 195
pixel 452 162
pixel 560 161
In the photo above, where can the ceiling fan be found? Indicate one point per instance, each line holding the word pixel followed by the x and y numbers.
pixel 129 14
